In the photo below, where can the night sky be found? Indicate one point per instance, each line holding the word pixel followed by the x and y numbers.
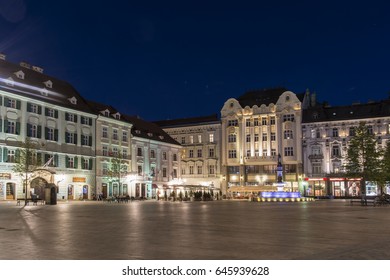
pixel 174 59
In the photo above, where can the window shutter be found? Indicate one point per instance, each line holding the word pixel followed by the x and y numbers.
pixel 46 111
pixel 56 160
pixel 67 161
pixel 66 116
pixel 1 103
pixel 39 110
pixel 82 118
pixel 28 107
pixel 28 130
pixel 39 134
pixel 66 137
pixel 5 155
pixel 17 156
pixel 6 126
pixel 75 139
pixel 56 134
pixel 18 104
pixel 90 164
pixel 76 162
pixel 46 158
pixel 39 159
pixel 17 128
pixel 6 101
pixel 56 114
pixel 89 142
pixel 90 121
pixel 1 127
pixel 46 133
pixel 75 118
pixel 1 154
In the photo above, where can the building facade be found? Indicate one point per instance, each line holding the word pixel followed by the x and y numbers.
pixel 326 132
pixel 257 127
pixel 200 138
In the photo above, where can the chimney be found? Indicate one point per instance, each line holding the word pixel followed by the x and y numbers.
pixel 2 56
pixel 25 65
pixel 37 69
pixel 313 99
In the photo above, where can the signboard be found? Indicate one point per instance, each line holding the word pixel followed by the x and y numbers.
pixel 5 176
pixel 79 180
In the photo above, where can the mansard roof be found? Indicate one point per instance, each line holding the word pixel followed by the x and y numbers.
pixel 263 96
pixel 148 130
pixel 355 111
pixel 211 119
pixel 39 86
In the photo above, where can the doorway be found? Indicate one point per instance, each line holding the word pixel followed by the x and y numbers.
pixel 10 191
pixel 37 187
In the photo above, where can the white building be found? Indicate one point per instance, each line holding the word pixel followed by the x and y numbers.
pixel 200 138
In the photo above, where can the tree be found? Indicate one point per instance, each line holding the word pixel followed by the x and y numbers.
pixel 116 168
pixel 363 157
pixel 385 166
pixel 26 162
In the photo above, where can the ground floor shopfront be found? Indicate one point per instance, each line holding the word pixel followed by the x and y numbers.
pixel 339 187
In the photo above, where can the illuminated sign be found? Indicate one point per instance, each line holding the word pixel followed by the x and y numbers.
pixel 79 180
pixel 280 194
pixel 5 176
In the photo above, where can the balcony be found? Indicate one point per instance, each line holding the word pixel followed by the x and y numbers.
pixel 318 156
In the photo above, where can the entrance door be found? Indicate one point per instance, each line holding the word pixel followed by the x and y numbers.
pixel 104 190
pixel 85 192
pixel 38 187
pixel 10 191
pixel 70 192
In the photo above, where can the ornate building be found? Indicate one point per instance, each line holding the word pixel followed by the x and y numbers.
pixel 256 128
pixel 326 132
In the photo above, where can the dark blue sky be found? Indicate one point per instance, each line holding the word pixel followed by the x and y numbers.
pixel 174 59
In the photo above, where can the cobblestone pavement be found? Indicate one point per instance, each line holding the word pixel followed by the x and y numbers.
pixel 329 229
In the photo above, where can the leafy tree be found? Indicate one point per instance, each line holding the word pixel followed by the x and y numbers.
pixel 26 162
pixel 385 166
pixel 116 167
pixel 363 157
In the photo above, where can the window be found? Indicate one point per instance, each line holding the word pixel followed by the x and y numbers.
pixel 316 168
pixel 51 134
pixel 139 152
pixel 336 150
pixel 105 151
pixel 370 130
pixel 70 138
pixel 12 127
pixel 174 157
pixel 256 137
pixel 264 153
pixel 11 156
pixel 248 138
pixel 139 170
pixel 85 164
pixel 174 174
pixel 211 138
pixel 199 169
pixel 86 140
pixel 164 171
pixel 233 123
pixel 124 136
pixel 33 108
pixel 164 155
pixel 152 154
pixel 211 152
pixel 86 120
pixel 273 152
pixel 115 134
pixel 335 132
pixel 70 163
pixel 288 117
pixel 49 112
pixel 316 150
pixel 272 120
pixel 115 152
pixel 124 153
pixel 263 121
pixel 191 170
pixel 273 136
pixel 199 153
pixel 255 121
pixel 265 137
pixel 232 138
pixel 211 169
pixel 248 123
pixel 248 153
pixel 192 139
pixel 183 171
pixel 232 154
pixel 70 117
pixel 288 151
pixel 352 131
pixel 11 103
pixel 183 140
pixel 33 131
pixel 199 138
pixel 191 153
pixel 288 134
pixel 104 132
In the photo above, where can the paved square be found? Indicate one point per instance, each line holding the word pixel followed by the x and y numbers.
pixel 329 229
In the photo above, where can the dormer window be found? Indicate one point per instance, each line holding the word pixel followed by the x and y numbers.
pixel 44 92
pixel 73 100
pixel 150 134
pixel 105 113
pixel 10 82
pixel 117 116
pixel 161 137
pixel 138 131
pixel 20 74
pixel 48 84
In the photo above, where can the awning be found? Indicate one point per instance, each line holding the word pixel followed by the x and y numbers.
pixel 154 186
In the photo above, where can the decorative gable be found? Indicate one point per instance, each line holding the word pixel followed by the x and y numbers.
pixel 44 92
pixel 10 82
pixel 73 100
pixel 48 84
pixel 19 74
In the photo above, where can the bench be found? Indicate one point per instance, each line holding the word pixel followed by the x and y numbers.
pixel 365 201
pixel 28 200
